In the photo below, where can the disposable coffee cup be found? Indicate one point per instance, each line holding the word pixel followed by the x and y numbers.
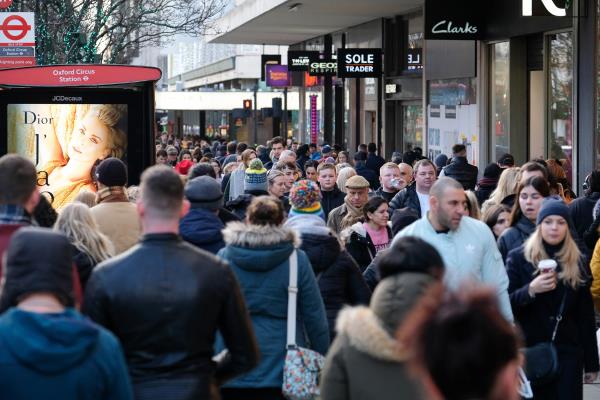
pixel 546 266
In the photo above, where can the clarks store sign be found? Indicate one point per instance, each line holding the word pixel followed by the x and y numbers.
pixel 447 20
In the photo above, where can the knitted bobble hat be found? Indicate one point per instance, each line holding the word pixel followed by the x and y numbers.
pixel 305 197
pixel 256 177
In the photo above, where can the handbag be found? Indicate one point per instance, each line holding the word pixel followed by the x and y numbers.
pixel 302 366
pixel 541 360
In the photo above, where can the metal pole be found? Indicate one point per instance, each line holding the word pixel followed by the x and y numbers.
pixel 285 111
pixel 255 130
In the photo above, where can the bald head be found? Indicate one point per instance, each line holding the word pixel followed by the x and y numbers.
pixel 442 184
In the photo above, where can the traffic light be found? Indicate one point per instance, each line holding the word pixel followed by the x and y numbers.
pixel 247 104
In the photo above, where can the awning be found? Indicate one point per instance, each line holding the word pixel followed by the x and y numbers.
pixel 278 22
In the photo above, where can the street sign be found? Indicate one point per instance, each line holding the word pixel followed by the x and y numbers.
pixel 300 60
pixel 359 63
pixel 17 39
pixel 5 4
pixel 277 75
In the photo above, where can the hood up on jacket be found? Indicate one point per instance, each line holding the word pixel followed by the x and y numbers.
pixel 248 244
pixel 48 343
pixel 371 330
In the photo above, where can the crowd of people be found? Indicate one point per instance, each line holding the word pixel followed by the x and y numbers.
pixel 415 278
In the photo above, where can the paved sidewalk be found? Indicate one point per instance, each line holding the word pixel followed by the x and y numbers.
pixel 591 392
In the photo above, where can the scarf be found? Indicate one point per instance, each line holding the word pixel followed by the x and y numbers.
pixel 112 194
pixel 353 216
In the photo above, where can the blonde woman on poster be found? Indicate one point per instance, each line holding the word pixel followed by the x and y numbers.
pixel 97 134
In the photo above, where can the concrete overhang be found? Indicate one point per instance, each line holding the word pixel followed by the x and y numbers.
pixel 287 22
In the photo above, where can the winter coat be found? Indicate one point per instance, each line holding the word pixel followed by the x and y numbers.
pixel 340 281
pixel 576 335
pixel 515 236
pixel 375 162
pixel 359 244
pixel 202 228
pixel 595 270
pixel 387 196
pixel 582 212
pixel 368 174
pixel 60 356
pixel 240 205
pixel 407 198
pixel 332 199
pixel 365 361
pixel 462 171
pixel 335 218
pixel 165 300
pixel 484 189
pixel 371 274
pixel 120 222
pixel 469 254
pixel 84 264
pixel 259 257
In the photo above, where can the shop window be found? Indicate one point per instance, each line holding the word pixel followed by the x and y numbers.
pixel 561 97
pixel 499 101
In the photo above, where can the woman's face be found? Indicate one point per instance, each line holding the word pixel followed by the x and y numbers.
pixel 89 140
pixel 278 187
pixel 290 178
pixel 501 223
pixel 554 229
pixel 216 167
pixel 186 156
pixel 311 174
pixel 530 201
pixel 380 217
pixel 342 158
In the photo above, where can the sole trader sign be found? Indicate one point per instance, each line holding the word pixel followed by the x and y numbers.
pixel 359 63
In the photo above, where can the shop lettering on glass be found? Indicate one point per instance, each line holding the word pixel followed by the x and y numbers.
pixel 323 68
pixel 556 8
pixel 451 27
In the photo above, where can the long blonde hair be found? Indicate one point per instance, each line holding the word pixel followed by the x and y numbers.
pixel 78 224
pixel 343 175
pixel 568 257
pixel 507 185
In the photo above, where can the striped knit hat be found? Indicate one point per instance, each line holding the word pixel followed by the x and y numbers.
pixel 256 177
pixel 305 198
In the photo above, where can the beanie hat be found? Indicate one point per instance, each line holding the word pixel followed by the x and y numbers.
pixel 326 149
pixel 204 192
pixel 305 197
pixel 492 171
pixel 441 161
pixel 554 206
pixel 184 166
pixel 256 177
pixel 112 172
pixel 357 182
pixel 29 272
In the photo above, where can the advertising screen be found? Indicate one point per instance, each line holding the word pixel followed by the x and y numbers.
pixel 66 141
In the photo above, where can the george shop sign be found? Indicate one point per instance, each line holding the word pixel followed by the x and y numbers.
pixel 359 63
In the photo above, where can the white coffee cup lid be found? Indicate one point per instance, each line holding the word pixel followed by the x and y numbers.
pixel 547 264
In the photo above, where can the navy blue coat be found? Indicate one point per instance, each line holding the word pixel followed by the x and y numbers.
pixel 202 228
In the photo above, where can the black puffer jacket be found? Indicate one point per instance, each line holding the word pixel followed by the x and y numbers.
pixel 582 212
pixel 515 236
pixel 339 278
pixel 462 171
pixel 360 246
pixel 165 300
pixel 407 198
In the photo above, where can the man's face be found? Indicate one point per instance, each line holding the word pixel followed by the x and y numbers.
pixel 172 157
pixel 277 149
pixel 386 175
pixel 425 177
pixel 327 179
pixel 450 208
pixel 358 197
pixel 161 160
pixel 406 175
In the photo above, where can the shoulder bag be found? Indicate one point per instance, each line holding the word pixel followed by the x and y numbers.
pixel 541 360
pixel 302 366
